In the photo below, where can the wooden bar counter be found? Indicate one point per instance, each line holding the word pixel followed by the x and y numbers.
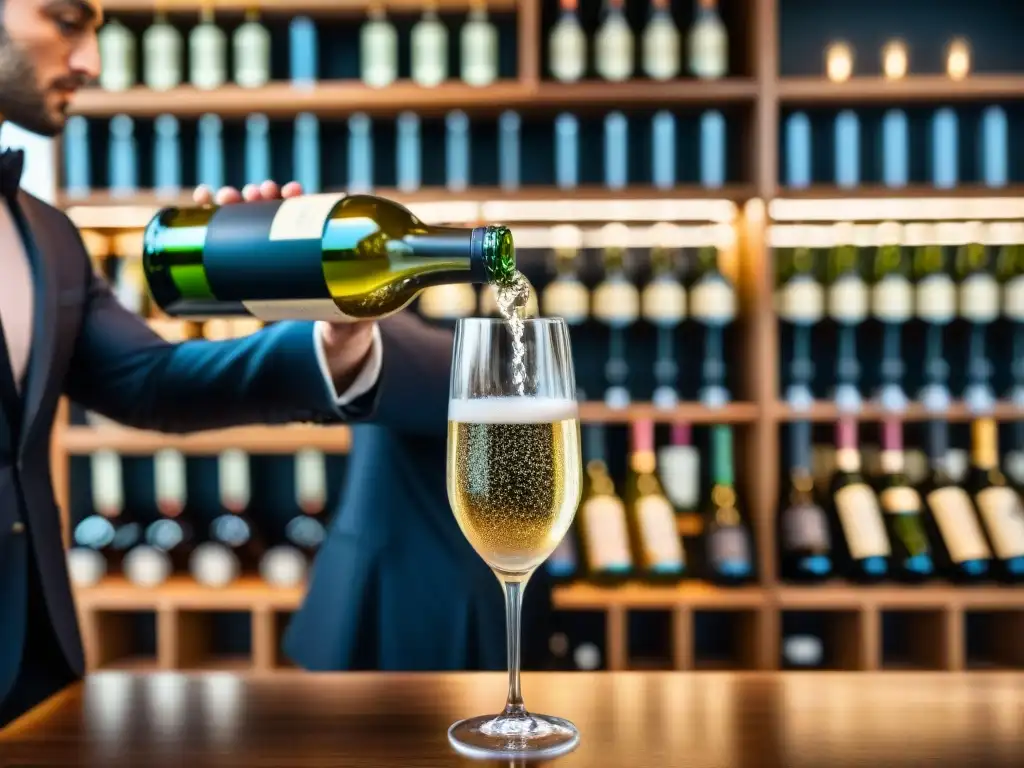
pixel 627 720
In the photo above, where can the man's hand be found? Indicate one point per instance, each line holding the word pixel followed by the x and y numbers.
pixel 345 345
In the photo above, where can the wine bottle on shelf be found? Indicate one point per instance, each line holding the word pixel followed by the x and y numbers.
pixel 613 46
pixel 663 150
pixel 210 152
pixel 657 548
pixel 999 505
pixel 294 279
pixel 799 153
pixel 895 148
pixel 167 542
pixel 728 550
pixel 709 43
pixel 457 154
pixel 993 146
pixel 713 305
pixel 935 303
pixel 862 547
pixel 903 511
pixel 848 301
pixel 892 304
pixel 306 152
pixel 509 153
pixel 77 167
pixel 847 149
pixel 257 148
pixel 800 300
pixel 979 306
pixel 378 46
pixel 805 538
pixel 961 551
pixel 663 305
pixel 207 51
pixel 616 303
pixel 360 153
pixel 287 563
pixel 679 472
pixel 1010 267
pixel 166 159
pixel 601 520
pixel 429 44
pixel 303 52
pixel 162 53
pixel 117 54
pixel 563 566
pixel 123 160
pixel 567 46
pixel 567 151
pixel 616 150
pixel 566 296
pixel 252 51
pixel 479 46
pixel 661 59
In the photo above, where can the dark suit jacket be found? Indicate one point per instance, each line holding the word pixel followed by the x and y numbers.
pixel 86 345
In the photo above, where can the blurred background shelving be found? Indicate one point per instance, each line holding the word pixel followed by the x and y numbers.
pixel 735 143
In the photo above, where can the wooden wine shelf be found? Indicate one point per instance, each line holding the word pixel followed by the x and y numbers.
pixel 694 413
pixel 335 99
pixel 181 593
pixel 582 597
pixel 840 596
pixel 958 411
pixel 799 91
pixel 291 7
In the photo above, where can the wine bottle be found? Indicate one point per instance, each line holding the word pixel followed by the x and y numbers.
pixel 961 552
pixel 286 564
pixel 862 544
pixel 613 46
pixel 658 550
pixel 979 307
pixel 805 541
pixel 728 552
pixel 713 305
pixel 663 304
pixel 567 46
pixel 999 505
pixel 679 472
pixel 800 299
pixel 252 51
pixel 935 300
pixel 429 48
pixel 603 530
pixel 709 43
pixel 661 43
pixel 1010 268
pixel 117 53
pixel 326 256
pixel 616 304
pixel 162 53
pixel 566 296
pixel 848 308
pixel 378 44
pixel 207 51
pixel 479 46
pixel 168 542
pixel 892 304
pixel 903 511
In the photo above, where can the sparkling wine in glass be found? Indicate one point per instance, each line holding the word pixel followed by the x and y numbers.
pixel 514 482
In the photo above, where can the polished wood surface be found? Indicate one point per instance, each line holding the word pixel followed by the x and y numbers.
pixel 800 720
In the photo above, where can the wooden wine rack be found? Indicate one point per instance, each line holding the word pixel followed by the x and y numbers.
pixel 935 616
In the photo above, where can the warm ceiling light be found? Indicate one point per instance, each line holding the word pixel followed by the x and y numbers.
pixel 895 59
pixel 839 62
pixel 958 59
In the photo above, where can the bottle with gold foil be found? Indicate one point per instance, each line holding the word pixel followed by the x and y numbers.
pixel 999 505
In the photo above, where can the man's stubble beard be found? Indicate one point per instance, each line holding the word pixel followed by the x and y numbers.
pixel 22 101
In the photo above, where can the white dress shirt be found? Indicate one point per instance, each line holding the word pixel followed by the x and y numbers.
pixel 17 306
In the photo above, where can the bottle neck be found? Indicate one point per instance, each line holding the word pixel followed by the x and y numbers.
pixel 721 438
pixel 984 444
pixel 487 251
pixel 800 447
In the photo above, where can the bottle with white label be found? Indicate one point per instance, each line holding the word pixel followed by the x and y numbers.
pixel 1010 268
pixel 848 303
pixel 728 553
pixel 567 45
pixel 657 546
pixel 479 46
pixel 378 48
pixel 892 304
pixel 613 44
pixel 207 52
pixel 805 540
pixel 709 43
pixel 935 306
pixel 287 563
pixel 601 519
pixel 962 552
pixel 117 56
pixel 162 54
pixel 616 304
pixel 566 296
pixel 979 307
pixel 679 470
pixel 999 504
pixel 800 302
pixel 663 305
pixel 429 48
pixel 903 511
pixel 252 51
pixel 862 547
pixel 713 305
pixel 661 43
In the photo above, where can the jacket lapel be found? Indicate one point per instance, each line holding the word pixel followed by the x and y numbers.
pixel 38 239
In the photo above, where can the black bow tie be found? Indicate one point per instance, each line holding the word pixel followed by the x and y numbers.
pixel 12 161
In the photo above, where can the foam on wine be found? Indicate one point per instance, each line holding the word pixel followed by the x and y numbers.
pixel 512 410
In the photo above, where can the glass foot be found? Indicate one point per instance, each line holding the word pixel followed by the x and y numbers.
pixel 513 736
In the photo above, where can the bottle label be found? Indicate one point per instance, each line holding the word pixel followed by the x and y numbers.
pixel 892 299
pixel 848 299
pixel 979 298
pixel 936 298
pixel 568 52
pixel 661 543
pixel 900 500
pixel 429 53
pixel 661 50
pixel 275 310
pixel 713 300
pixel 304 217
pixel 616 302
pixel 607 536
pixel 801 301
pixel 1013 298
pixel 679 472
pixel 1003 513
pixel 568 299
pixel 730 552
pixel 805 527
pixel 664 301
pixel 862 522
pixel 958 525
pixel 448 302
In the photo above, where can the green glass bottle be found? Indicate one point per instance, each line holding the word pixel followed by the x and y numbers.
pixel 329 257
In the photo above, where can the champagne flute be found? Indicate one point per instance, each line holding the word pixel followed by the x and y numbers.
pixel 514 482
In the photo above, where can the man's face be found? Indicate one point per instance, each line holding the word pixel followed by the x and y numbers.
pixel 48 50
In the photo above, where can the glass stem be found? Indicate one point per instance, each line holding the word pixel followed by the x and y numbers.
pixel 513 611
